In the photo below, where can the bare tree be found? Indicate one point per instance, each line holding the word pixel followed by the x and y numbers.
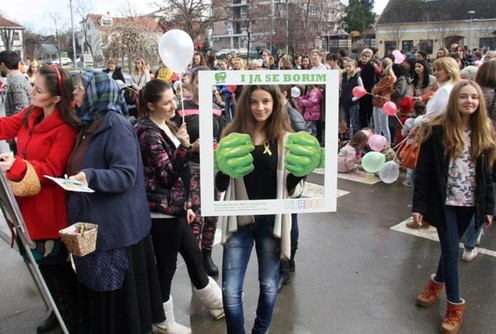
pixel 7 35
pixel 192 16
pixel 129 40
pixel 394 33
pixel 91 41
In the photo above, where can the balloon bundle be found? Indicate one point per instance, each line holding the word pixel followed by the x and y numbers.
pixel 375 160
pixel 176 50
pixel 389 107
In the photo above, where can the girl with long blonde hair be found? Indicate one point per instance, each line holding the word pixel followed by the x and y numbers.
pixel 453 184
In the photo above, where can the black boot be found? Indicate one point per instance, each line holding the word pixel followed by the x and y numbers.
pixel 208 264
pixel 292 266
pixel 284 276
pixel 48 324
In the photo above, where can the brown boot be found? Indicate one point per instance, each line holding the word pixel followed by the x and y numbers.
pixel 431 293
pixel 453 318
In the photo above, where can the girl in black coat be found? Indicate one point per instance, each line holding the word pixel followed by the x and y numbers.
pixel 452 184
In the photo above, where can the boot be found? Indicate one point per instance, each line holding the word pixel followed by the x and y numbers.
pixel 284 276
pixel 208 264
pixel 170 326
pixel 211 297
pixel 431 293
pixel 292 267
pixel 453 318
pixel 50 323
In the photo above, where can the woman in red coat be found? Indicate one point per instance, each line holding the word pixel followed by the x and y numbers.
pixel 46 134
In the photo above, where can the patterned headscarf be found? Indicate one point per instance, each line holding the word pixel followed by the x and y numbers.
pixel 101 96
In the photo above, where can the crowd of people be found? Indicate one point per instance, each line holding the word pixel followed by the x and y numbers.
pixel 147 198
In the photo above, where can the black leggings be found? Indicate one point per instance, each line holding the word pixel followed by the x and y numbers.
pixel 171 236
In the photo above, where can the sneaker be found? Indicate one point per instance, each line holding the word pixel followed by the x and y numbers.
pixel 469 255
pixel 407 183
pixel 479 237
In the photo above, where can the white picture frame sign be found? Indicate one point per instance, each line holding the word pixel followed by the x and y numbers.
pixel 209 80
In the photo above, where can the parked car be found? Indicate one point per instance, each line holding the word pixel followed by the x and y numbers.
pixel 64 61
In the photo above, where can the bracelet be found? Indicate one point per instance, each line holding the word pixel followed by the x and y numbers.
pixel 186 148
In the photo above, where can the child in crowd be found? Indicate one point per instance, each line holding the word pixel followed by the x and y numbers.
pixel 349 156
pixel 409 130
pixel 349 104
pixel 310 108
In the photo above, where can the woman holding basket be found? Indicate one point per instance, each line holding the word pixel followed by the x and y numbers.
pixel 46 133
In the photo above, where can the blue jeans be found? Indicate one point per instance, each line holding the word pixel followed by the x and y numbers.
pixel 381 123
pixel 352 116
pixel 473 233
pixel 237 252
pixel 457 220
pixel 228 108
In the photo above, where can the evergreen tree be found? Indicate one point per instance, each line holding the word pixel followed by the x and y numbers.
pixel 359 15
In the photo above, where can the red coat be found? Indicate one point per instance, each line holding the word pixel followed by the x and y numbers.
pixel 47 146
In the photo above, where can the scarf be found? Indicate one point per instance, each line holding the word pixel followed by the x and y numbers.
pixel 101 96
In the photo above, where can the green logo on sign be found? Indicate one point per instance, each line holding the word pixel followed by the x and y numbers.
pixel 220 77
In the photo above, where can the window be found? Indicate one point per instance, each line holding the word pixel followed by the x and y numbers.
pixel 17 36
pixel 388 45
pixel 426 44
pixel 407 46
pixel 488 43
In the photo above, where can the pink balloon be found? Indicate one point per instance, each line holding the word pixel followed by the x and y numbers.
pixel 390 108
pixel 358 91
pixel 399 58
pixel 377 142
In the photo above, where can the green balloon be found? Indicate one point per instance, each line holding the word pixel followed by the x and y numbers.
pixel 373 162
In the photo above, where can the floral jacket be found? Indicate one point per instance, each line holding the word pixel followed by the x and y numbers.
pixel 165 167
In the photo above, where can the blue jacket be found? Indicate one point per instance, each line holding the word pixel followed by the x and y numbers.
pixel 114 169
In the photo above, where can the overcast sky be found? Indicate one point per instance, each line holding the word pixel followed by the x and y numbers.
pixel 38 15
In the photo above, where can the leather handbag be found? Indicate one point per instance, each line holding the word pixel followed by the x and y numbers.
pixel 409 154
pixel 29 185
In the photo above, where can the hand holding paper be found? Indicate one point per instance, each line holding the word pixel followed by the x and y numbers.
pixel 233 156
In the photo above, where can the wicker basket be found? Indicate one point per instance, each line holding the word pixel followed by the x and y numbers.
pixel 80 243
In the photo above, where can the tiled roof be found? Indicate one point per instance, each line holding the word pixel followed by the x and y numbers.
pixel 9 24
pixel 398 11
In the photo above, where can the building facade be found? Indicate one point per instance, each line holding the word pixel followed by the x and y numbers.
pixel 432 24
pixel 277 25
pixel 12 36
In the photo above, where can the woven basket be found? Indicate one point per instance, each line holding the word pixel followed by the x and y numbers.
pixel 80 244
pixel 29 185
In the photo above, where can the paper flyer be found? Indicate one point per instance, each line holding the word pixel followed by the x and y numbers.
pixel 70 185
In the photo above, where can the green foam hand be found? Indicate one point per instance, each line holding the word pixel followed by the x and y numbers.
pixel 233 155
pixel 304 153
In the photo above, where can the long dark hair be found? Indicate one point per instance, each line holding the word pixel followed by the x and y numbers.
pixel 427 72
pixel 64 89
pixel 276 126
pixel 152 92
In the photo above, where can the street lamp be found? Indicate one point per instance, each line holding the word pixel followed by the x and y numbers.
pixel 73 38
pixel 287 26
pixel 471 15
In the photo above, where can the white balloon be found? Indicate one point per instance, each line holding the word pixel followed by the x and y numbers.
pixel 295 92
pixel 176 50
pixel 390 172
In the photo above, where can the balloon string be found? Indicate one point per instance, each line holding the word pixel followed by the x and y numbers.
pixel 399 120
pixel 182 93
